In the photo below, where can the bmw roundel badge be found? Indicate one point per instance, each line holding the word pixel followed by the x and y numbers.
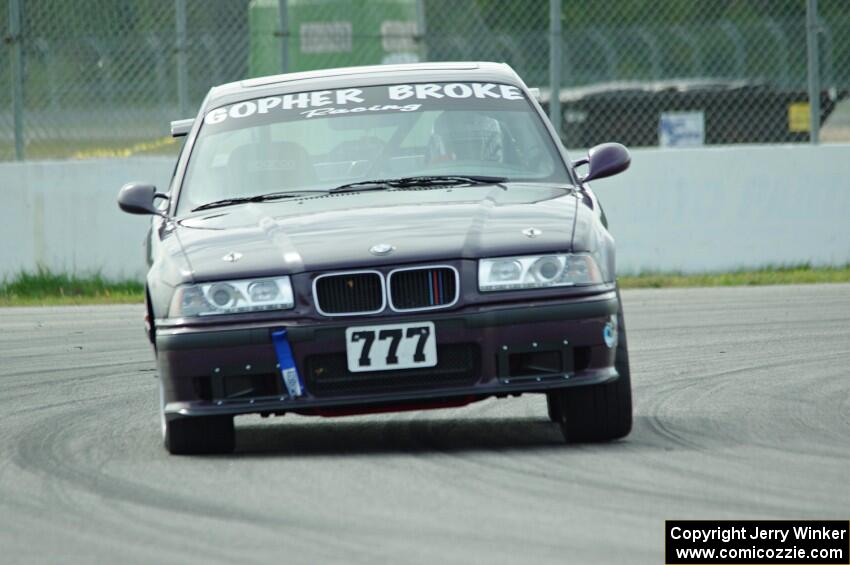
pixel 381 249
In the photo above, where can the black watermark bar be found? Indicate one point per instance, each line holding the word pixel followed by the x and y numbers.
pixel 762 542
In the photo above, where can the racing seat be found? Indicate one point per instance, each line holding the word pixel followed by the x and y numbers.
pixel 270 167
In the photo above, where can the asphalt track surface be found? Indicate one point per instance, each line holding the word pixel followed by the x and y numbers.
pixel 742 411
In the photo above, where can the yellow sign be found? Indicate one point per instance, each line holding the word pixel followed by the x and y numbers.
pixel 799 117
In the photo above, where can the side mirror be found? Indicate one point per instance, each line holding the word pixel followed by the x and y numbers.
pixel 181 128
pixel 137 198
pixel 605 160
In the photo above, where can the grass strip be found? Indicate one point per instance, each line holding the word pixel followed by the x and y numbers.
pixel 46 288
pixel 797 274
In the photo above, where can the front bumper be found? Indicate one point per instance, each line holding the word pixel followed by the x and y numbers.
pixel 528 347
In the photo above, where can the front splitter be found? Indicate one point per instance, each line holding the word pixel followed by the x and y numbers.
pixel 515 385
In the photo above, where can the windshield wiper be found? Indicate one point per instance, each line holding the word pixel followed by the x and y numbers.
pixel 407 182
pixel 380 184
pixel 258 198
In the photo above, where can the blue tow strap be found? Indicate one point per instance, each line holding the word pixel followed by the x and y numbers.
pixel 288 371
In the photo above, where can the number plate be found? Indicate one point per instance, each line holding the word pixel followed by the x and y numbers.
pixel 391 347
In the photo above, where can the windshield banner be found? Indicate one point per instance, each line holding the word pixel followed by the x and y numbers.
pixel 371 100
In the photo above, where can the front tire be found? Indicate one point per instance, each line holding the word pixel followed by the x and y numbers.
pixel 553 406
pixel 601 412
pixel 196 435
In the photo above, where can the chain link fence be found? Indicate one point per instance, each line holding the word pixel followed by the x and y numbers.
pixel 104 77
pixel 94 78
pixel 690 73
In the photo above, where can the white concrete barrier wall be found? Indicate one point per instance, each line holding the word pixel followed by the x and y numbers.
pixel 64 215
pixel 690 210
pixel 732 207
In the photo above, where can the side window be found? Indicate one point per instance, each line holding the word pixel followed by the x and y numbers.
pixel 170 190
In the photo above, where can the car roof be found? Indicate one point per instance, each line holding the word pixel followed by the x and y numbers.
pixel 359 76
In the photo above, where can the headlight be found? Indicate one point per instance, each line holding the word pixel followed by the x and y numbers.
pixel 538 271
pixel 229 297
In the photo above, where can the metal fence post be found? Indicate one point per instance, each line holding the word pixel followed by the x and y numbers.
pixel 283 17
pixel 555 45
pixel 812 30
pixel 421 30
pixel 17 70
pixel 182 64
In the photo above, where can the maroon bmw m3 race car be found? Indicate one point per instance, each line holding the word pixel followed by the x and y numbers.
pixel 375 239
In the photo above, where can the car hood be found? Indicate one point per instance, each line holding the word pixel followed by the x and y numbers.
pixel 337 231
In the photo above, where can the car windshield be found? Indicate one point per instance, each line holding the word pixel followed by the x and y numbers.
pixel 319 140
